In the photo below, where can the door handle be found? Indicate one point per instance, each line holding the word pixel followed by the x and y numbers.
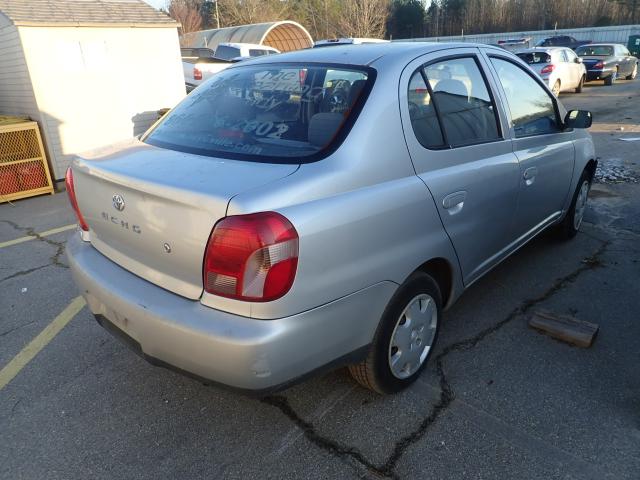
pixel 530 175
pixel 454 202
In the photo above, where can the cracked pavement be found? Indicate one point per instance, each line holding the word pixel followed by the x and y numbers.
pixel 498 400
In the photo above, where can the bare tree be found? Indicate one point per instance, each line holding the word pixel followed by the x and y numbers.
pixel 244 12
pixel 363 18
pixel 187 12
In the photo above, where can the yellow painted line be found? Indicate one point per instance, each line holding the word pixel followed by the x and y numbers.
pixel 44 337
pixel 53 231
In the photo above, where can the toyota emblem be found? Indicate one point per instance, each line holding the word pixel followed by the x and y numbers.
pixel 118 202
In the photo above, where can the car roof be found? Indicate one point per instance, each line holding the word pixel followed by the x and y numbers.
pixel 366 54
pixel 542 49
pixel 601 45
pixel 349 40
pixel 247 45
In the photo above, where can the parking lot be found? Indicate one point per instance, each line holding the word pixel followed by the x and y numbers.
pixel 498 399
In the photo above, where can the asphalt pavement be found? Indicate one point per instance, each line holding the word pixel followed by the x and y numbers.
pixel 498 399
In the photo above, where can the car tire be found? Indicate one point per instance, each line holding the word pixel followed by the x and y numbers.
pixel 556 88
pixel 572 221
pixel 405 338
pixel 611 79
pixel 580 85
pixel 633 74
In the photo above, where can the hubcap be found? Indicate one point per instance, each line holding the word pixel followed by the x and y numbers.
pixel 581 204
pixel 413 336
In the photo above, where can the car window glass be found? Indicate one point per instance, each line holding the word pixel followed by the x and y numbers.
pixel 254 52
pixel 263 112
pixel 594 50
pixel 462 101
pixel 571 56
pixel 534 58
pixel 563 56
pixel 532 109
pixel 422 113
pixel 225 52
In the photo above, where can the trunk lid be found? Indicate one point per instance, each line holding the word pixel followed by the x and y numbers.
pixel 590 61
pixel 151 210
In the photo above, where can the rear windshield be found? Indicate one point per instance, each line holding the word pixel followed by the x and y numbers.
pixel 533 58
pixel 594 50
pixel 266 113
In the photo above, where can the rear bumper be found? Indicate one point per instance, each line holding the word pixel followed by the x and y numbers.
pixel 240 352
pixel 598 74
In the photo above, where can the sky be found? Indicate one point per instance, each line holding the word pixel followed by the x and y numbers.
pixel 156 3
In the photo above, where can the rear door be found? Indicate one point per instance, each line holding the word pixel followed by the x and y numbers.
pixel 625 59
pixel 576 68
pixel 454 132
pixel 546 153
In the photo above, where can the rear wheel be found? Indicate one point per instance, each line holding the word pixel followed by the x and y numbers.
pixel 573 219
pixel 556 88
pixel 611 79
pixel 634 73
pixel 405 338
pixel 580 85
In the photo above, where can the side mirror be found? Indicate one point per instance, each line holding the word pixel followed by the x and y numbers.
pixel 578 60
pixel 578 119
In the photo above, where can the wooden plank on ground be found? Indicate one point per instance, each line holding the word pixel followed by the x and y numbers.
pixel 564 327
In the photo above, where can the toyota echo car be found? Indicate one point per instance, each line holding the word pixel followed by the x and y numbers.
pixel 321 208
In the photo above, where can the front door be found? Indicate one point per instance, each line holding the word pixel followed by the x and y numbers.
pixel 454 131
pixel 545 151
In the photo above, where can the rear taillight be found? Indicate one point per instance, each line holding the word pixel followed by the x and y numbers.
pixel 197 74
pixel 71 191
pixel 599 65
pixel 251 257
pixel 548 69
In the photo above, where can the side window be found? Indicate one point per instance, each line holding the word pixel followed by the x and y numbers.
pixel 423 114
pixel 532 108
pixel 563 56
pixel 455 108
pixel 571 55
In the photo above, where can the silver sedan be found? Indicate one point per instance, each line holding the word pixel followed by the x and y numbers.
pixel 323 208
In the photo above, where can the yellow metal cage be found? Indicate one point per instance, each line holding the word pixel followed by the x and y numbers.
pixel 24 171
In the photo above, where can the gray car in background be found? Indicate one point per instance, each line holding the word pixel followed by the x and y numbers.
pixel 322 208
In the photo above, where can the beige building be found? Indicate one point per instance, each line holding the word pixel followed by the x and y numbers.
pixel 90 72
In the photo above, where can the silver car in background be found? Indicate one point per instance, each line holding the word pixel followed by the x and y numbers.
pixel 559 67
pixel 322 208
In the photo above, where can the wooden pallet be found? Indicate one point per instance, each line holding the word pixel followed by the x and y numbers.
pixel 24 170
